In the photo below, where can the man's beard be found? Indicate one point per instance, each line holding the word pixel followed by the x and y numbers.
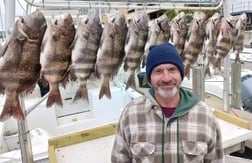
pixel 167 93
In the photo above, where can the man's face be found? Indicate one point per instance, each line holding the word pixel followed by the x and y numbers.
pixel 166 80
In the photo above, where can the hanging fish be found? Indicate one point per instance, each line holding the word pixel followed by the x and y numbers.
pixel 194 41
pixel 111 51
pixel 136 39
pixel 225 40
pixel 240 26
pixel 56 55
pixel 159 33
pixel 84 53
pixel 212 31
pixel 19 62
pixel 179 30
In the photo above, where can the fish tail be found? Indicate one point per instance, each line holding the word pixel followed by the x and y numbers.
pixel 207 71
pixel 105 90
pixel 237 57
pixel 131 82
pixel 54 97
pixel 12 110
pixel 81 93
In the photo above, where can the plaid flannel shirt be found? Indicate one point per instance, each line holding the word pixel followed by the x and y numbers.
pixel 144 135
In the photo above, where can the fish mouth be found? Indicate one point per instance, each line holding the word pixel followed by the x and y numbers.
pixel 159 23
pixel 230 24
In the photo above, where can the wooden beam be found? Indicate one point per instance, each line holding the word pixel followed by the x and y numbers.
pixel 232 119
pixel 82 136
pixel 51 154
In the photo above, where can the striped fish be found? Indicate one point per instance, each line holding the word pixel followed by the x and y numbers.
pixel 136 39
pixel 56 55
pixel 179 30
pixel 225 40
pixel 159 33
pixel 84 54
pixel 19 64
pixel 194 41
pixel 111 51
pixel 212 31
pixel 240 26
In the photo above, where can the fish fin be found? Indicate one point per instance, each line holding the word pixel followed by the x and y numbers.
pixel 4 48
pixel 81 93
pixel 217 63
pixel 144 61
pixel 105 90
pixel 12 110
pixel 131 82
pixel 73 42
pixel 54 97
pixel 125 65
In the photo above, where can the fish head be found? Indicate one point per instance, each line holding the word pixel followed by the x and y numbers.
pixel 180 20
pixel 65 21
pixel 228 26
pixel 94 20
pixel 141 21
pixel 241 22
pixel 199 20
pixel 216 19
pixel 33 25
pixel 91 22
pixel 162 23
pixel 64 25
pixel 118 21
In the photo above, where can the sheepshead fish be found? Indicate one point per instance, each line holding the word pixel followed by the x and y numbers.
pixel 19 64
pixel 111 51
pixel 84 53
pixel 194 41
pixel 56 55
pixel 240 26
pixel 179 30
pixel 134 48
pixel 225 40
pixel 159 33
pixel 212 31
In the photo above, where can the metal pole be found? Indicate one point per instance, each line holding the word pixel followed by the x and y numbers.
pixel 9 16
pixel 226 84
pixel 236 85
pixel 24 135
